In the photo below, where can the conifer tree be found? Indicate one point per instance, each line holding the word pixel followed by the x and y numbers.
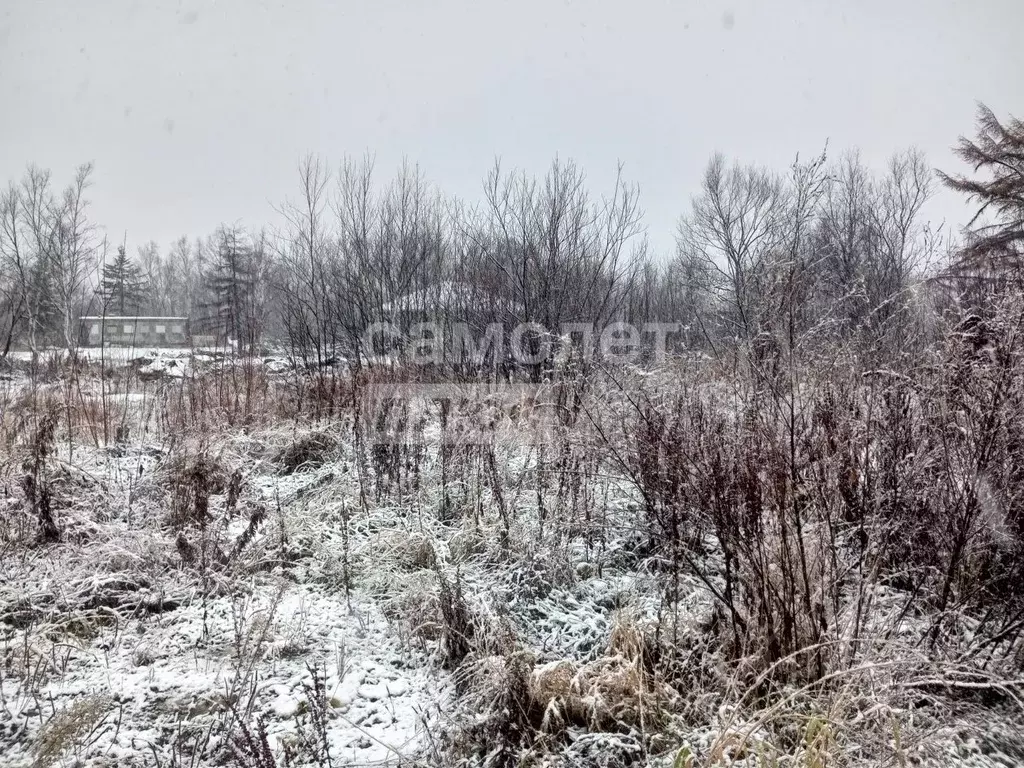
pixel 230 282
pixel 995 247
pixel 123 286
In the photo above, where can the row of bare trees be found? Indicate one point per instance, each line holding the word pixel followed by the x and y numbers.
pixel 54 268
pixel 48 250
pixel 828 248
pixel 534 251
pixel 839 246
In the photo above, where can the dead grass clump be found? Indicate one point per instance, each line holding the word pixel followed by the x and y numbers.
pixel 212 549
pixel 616 692
pixel 69 727
pixel 443 614
pixel 466 544
pixel 17 526
pixel 497 691
pixel 414 605
pixel 26 405
pixel 182 465
pixel 73 489
pixel 459 626
pixel 36 475
pixel 192 478
pixel 409 551
pixel 542 570
pixel 523 710
pixel 552 690
pixel 308 451
pixel 38 497
pixel 202 525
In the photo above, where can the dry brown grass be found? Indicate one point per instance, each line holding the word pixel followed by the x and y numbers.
pixel 68 727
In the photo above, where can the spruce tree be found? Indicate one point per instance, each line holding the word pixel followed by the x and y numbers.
pixel 123 285
pixel 996 247
pixel 230 282
pixel 43 313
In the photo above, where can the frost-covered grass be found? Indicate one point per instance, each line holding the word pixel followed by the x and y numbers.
pixel 228 585
pixel 177 652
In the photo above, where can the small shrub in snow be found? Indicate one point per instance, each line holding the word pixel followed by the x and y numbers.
pixel 309 451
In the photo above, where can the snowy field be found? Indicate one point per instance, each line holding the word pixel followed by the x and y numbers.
pixel 159 362
pixel 239 589
pixel 123 354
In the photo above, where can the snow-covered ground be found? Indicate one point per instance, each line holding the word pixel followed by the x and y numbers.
pixel 139 641
pixel 115 354
pixel 181 668
pixel 156 644
pixel 155 363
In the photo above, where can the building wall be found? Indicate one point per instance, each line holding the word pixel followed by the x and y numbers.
pixel 153 332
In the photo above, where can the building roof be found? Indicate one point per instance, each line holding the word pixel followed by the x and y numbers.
pixel 131 318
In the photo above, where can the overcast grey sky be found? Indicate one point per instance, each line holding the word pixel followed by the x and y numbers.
pixel 198 112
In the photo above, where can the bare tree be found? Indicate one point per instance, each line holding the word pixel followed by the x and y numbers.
pixel 797 265
pixel 901 247
pixel 31 212
pixel 393 247
pixel 733 229
pixel 844 239
pixel 48 254
pixel 687 296
pixel 183 277
pixel 562 256
pixel 260 315
pixel 72 252
pixel 151 266
pixel 14 266
pixel 307 250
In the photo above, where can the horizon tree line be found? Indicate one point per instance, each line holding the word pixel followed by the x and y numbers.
pixel 826 249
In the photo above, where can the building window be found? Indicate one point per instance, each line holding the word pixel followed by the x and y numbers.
pixel 160 329
pixel 127 328
pixel 177 328
pixel 111 330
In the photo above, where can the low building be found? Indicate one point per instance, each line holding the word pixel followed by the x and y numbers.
pixel 134 331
